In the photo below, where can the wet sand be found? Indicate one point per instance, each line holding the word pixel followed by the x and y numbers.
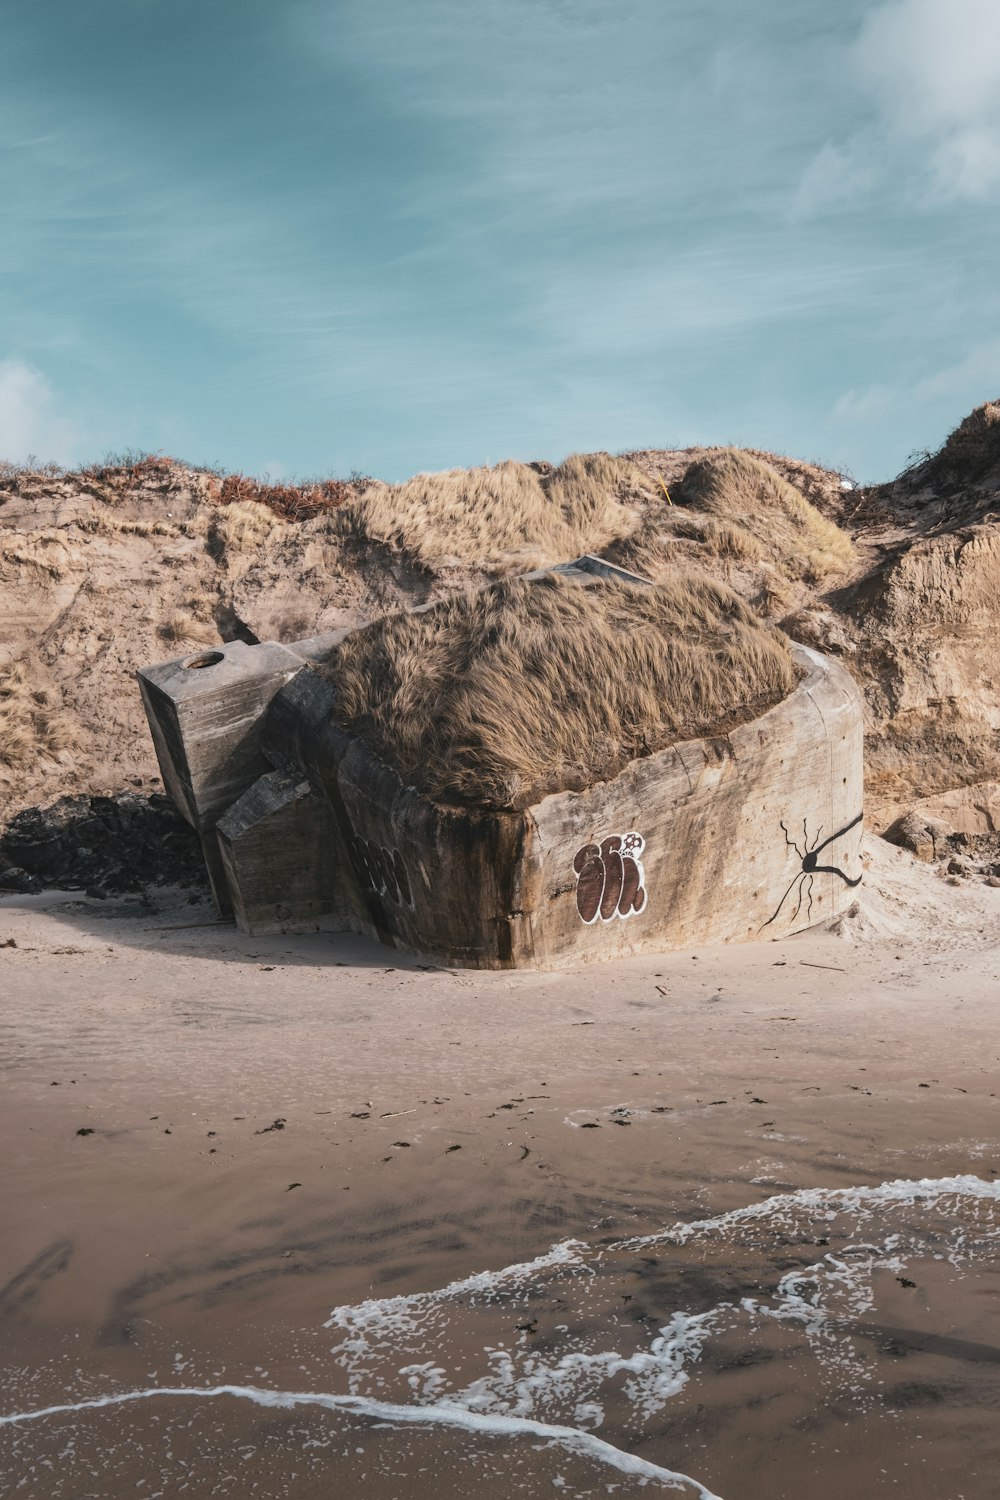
pixel 280 1127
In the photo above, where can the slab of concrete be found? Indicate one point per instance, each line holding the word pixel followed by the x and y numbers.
pixel 205 715
pixel 280 849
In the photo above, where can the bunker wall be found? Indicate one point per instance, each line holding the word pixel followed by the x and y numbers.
pixel 754 833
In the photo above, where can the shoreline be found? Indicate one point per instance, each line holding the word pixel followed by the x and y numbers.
pixel 281 1125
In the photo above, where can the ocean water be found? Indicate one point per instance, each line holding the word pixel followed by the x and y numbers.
pixel 813 1344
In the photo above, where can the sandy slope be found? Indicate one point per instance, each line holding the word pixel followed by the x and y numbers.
pixel 102 575
pixel 105 570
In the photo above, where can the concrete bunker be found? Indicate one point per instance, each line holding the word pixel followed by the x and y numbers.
pixel 314 809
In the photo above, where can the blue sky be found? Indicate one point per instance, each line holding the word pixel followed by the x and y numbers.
pixel 305 236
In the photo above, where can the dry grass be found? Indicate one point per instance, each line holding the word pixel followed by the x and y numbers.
pixel 499 697
pixel 244 524
pixel 130 469
pixel 508 518
pixel 721 540
pixel 774 596
pixel 33 722
pixel 762 516
pixel 969 456
pixel 292 502
pixel 120 475
pixel 103 524
pixel 150 528
pixel 972 450
pixel 191 623
pixel 31 466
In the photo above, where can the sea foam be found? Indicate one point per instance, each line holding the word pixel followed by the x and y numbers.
pixel 551 1349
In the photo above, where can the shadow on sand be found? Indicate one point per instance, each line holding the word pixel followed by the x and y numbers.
pixel 171 920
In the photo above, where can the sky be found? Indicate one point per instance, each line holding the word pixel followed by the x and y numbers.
pixel 304 237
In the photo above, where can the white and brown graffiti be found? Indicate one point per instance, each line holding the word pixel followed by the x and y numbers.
pixel 610 881
pixel 386 869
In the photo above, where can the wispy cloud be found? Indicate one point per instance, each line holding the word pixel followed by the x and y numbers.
pixel 926 403
pixel 113 259
pixel 928 72
pixel 679 302
pixel 560 109
pixel 977 372
pixel 397 235
pixel 933 67
pixel 103 223
pixel 32 419
pixel 836 176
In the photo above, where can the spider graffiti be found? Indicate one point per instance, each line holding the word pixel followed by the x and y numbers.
pixel 809 855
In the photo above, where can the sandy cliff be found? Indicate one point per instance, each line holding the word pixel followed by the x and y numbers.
pixel 106 569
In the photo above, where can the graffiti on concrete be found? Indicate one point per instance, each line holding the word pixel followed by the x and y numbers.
pixel 386 869
pixel 610 881
pixel 810 867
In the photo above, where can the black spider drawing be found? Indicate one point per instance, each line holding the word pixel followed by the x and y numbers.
pixel 809 855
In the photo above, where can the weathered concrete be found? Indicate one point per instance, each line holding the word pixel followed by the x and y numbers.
pixel 280 850
pixel 218 881
pixel 205 714
pixel 752 833
pixel 757 832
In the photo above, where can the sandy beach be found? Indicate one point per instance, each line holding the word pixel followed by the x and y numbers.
pixel 500 751
pixel 214 1141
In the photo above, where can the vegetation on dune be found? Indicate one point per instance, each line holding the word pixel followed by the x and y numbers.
pixel 508 518
pixel 128 473
pixel 140 556
pixel 754 513
pixel 958 484
pixel 33 721
pixel 291 502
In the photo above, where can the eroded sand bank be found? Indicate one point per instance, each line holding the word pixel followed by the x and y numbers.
pixel 281 1127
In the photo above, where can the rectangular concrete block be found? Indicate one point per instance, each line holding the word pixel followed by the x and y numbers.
pixel 205 715
pixel 217 880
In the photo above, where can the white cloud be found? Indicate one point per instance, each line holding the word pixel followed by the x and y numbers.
pixel 931 72
pixel 835 176
pixel 933 69
pixel 968 163
pixel 926 403
pixel 30 421
pixel 936 63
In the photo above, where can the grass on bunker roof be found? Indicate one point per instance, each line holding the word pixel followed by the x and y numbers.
pixel 498 697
